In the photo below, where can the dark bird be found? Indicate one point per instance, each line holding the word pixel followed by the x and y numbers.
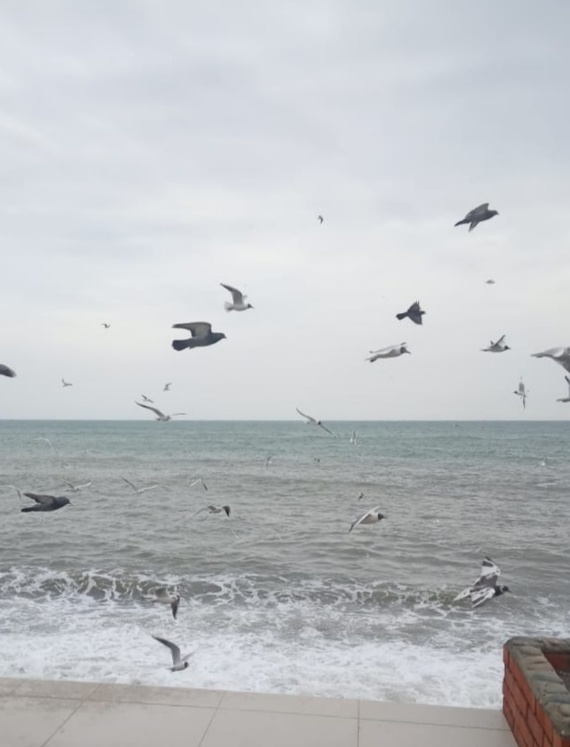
pixel 486 585
pixel 202 335
pixel 104 324
pixel 414 313
pixel 320 218
pixel 215 510
pixel 46 502
pixel 477 215
pixel 5 371
pixel 147 399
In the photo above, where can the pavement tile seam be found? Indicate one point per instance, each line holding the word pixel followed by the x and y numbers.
pixel 63 723
pixel 216 709
pixel 292 713
pixel 435 723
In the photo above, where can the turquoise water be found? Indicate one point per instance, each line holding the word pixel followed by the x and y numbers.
pixel 280 597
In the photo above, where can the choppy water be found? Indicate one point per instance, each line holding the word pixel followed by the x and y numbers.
pixel 280 598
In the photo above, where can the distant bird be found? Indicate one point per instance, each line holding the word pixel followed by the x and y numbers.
pixel 268 462
pixel 372 516
pixel 139 491
pixel 566 399
pixel 497 347
pixel 178 663
pixel 77 488
pixel 477 215
pixel 167 387
pixel 147 399
pixel 202 335
pixel 104 324
pixel 5 371
pixel 312 421
pixel 353 439
pixel 486 585
pixel 393 351
pixel 490 282
pixel 66 383
pixel 160 415
pixel 165 597
pixel 45 502
pixel 238 300
pixel 49 443
pixel 215 510
pixel 558 355
pixel 320 219
pixel 522 393
pixel 414 313
pixel 360 497
pixel 199 481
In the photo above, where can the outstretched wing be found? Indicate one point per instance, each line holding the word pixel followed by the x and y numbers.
pixel 325 429
pixel 415 307
pixel 489 574
pixel 154 409
pixel 476 212
pixel 568 382
pixel 227 510
pixel 134 487
pixel 358 521
pixel 174 650
pixel 6 371
pixel 45 500
pixel 479 596
pixel 309 418
pixel 500 341
pixel 463 594
pixel 197 329
pixel 237 296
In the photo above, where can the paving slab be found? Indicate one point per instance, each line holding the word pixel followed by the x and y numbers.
pixel 66 689
pixel 340 707
pixel 9 684
pixel 405 734
pixel 29 722
pixel 179 696
pixel 417 713
pixel 132 725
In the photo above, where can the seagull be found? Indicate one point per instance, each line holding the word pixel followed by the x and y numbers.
pixel 66 383
pixel 497 347
pixel 372 516
pixel 521 392
pixel 490 282
pixel 178 663
pixel 353 438
pixel 147 399
pixel 164 597
pixel 360 497
pixel 566 399
pixel 160 415
pixel 199 481
pixel 238 300
pixel 215 510
pixel 558 355
pixel 76 488
pixel 393 351
pixel 139 491
pixel 312 421
pixel 5 371
pixel 477 215
pixel 320 219
pixel 45 502
pixel 414 313
pixel 167 387
pixel 486 585
pixel 268 462
pixel 202 335
pixel 104 324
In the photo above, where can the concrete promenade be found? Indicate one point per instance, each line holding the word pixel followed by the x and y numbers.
pixel 35 713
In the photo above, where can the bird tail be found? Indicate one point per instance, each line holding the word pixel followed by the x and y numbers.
pixel 461 222
pixel 181 344
pixel 28 508
pixel 402 316
pixel 227 306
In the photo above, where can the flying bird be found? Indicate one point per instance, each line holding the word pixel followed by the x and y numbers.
pixel 77 488
pixel 178 663
pixel 167 387
pixel 354 438
pixel 558 355
pixel 485 587
pixel 320 219
pixel 522 393
pixel 215 510
pixel 477 215
pixel 566 399
pixel 312 421
pixel 393 351
pixel 238 300
pixel 490 282
pixel 202 335
pixel 414 313
pixel 147 399
pixel 49 443
pixel 6 371
pixel 160 415
pixel 372 516
pixel 66 383
pixel 45 502
pixel 497 347
pixel 268 462
pixel 199 481
pixel 165 597
pixel 104 324
pixel 139 491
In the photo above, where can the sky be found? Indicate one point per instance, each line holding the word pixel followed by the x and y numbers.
pixel 153 150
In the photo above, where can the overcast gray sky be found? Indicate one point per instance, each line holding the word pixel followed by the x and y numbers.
pixel 151 150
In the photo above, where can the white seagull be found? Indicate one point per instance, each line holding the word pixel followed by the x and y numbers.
pixel 522 393
pixel 139 491
pixel 558 355
pixel 179 663
pixel 372 516
pixel 485 587
pixel 268 462
pixel 215 510
pixel 199 481
pixel 353 438
pixel 76 488
pixel 497 347
pixel 566 399
pixel 163 596
pixel 238 300
pixel 65 383
pixel 159 415
pixel 312 421
pixel 393 351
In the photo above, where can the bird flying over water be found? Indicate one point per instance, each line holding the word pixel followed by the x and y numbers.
pixel 497 347
pixel 202 335
pixel 372 516
pixel 146 399
pixel 566 399
pixel 477 215
pixel 179 663
pixel 104 324
pixel 558 355
pixel 139 491
pixel 6 371
pixel 522 393
pixel 45 502
pixel 163 596
pixel 320 219
pixel 160 415
pixel 490 282
pixel 486 585
pixel 167 387
pixel 393 351
pixel 65 383
pixel 238 300
pixel 312 421
pixel 215 510
pixel 77 488
pixel 199 481
pixel 414 313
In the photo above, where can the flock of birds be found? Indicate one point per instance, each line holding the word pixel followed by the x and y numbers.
pixel 201 335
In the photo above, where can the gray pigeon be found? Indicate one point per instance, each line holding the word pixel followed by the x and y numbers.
pixel 45 502
pixel 477 215
pixel 414 313
pixel 5 371
pixel 202 335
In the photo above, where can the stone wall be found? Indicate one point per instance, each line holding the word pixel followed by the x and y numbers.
pixel 536 702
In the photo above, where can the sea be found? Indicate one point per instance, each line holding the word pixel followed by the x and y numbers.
pixel 280 597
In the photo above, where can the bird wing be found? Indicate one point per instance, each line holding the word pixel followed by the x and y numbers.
pixel 197 329
pixel 567 381
pixel 500 341
pixel 479 596
pixel 309 418
pixel 45 500
pixel 227 510
pixel 479 210
pixel 359 520
pixel 134 487
pixel 325 429
pixel 6 371
pixel 415 307
pixel 174 414
pixel 174 650
pixel 154 409
pixel 174 606
pixel 200 510
pixel 147 487
pixel 463 594
pixel 490 571
pixel 237 296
